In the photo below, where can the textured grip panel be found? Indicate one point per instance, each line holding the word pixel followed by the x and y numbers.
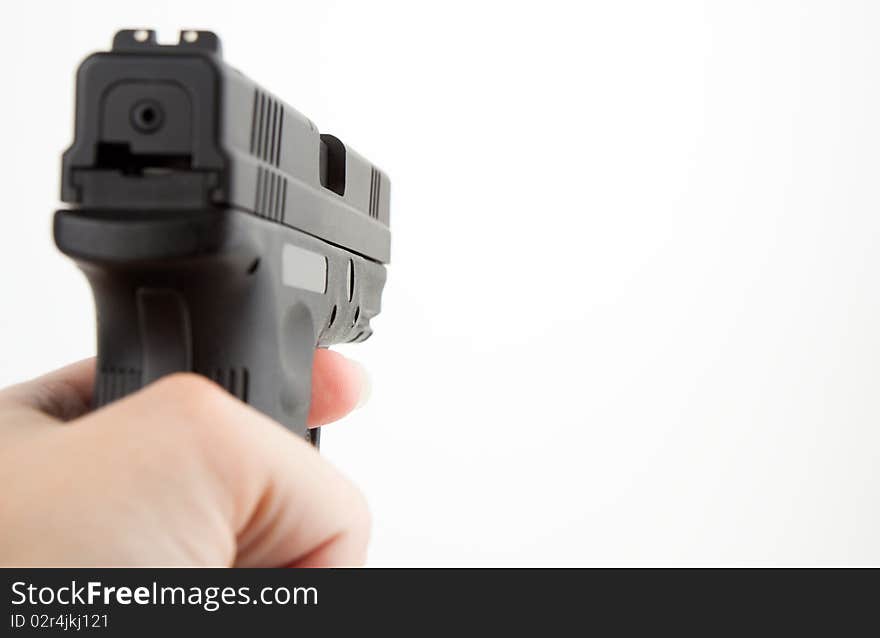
pixel 114 383
pixel 236 381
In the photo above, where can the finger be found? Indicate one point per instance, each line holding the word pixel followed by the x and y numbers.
pixel 63 394
pixel 281 501
pixel 339 385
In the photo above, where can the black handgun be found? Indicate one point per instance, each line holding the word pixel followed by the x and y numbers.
pixel 220 232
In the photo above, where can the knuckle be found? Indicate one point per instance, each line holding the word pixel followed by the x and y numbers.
pixel 359 530
pixel 188 389
pixel 199 414
pixel 194 398
pixel 361 518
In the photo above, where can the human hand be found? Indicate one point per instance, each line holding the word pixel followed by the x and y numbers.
pixel 179 473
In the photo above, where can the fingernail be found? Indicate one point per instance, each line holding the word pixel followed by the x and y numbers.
pixel 366 384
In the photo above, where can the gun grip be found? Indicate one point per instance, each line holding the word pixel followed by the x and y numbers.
pixel 227 328
pixel 203 293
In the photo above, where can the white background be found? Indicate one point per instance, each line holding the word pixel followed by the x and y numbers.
pixel 632 315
